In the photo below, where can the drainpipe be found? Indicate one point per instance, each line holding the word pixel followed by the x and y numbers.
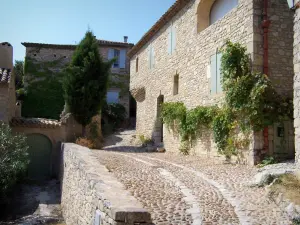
pixel 265 25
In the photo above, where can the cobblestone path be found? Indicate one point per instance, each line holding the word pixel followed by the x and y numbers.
pixel 180 189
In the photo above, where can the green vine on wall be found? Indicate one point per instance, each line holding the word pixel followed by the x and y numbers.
pixel 43 95
pixel 251 103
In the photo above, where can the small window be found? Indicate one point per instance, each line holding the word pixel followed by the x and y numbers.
pixel 34 54
pixel 215 74
pixel 54 55
pixel 116 55
pixel 112 97
pixel 176 85
pixel 137 64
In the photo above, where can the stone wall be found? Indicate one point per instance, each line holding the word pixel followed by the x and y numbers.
pixel 297 82
pixel 87 187
pixel 191 61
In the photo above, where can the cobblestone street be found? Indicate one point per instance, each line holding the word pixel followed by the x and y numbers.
pixel 180 189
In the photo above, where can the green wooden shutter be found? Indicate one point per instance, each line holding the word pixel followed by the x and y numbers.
pixel 219 74
pixel 213 74
pixel 173 38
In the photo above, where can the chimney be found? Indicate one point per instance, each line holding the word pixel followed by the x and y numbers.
pixel 125 39
pixel 6 55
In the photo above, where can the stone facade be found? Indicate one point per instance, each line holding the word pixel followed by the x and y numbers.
pixel 297 82
pixel 50 53
pixel 88 187
pixel 191 61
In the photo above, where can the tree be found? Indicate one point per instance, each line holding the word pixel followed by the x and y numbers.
pixel 85 81
pixel 19 73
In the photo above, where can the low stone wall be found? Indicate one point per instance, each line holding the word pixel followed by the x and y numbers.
pixel 91 195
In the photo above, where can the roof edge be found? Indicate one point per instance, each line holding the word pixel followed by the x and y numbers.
pixel 163 20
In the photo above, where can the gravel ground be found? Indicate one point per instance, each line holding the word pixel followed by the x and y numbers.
pixel 180 189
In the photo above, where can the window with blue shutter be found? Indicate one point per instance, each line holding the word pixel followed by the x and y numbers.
pixel 122 59
pixel 110 54
pixel 171 39
pixel 151 56
pixel 215 74
pixel 219 74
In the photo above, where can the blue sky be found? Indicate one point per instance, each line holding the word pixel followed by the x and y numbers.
pixel 66 21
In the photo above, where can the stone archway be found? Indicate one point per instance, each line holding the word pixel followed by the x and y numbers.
pixel 40 151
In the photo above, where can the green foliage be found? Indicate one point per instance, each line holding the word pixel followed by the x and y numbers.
pixel 44 99
pixel 222 125
pixel 43 96
pixel 19 74
pixel 251 103
pixel 86 80
pixel 115 114
pixel 145 140
pixel 14 158
pixel 267 161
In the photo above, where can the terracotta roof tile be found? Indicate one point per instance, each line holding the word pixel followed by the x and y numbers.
pixel 34 122
pixel 5 75
pixel 61 46
pixel 172 11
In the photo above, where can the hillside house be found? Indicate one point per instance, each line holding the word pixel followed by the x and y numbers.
pixel 178 59
pixel 46 61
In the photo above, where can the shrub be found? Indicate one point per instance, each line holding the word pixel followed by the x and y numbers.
pixel 14 158
pixel 144 140
pixel 85 142
pixel 115 114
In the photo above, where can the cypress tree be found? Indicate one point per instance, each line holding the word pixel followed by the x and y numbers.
pixel 85 81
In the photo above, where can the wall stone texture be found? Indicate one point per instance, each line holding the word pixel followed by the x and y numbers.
pixel 191 61
pixel 88 186
pixel 297 82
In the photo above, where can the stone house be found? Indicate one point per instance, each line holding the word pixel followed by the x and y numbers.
pixel 297 79
pixel 178 60
pixel 56 57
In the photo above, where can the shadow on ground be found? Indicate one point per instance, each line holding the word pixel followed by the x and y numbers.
pixel 34 203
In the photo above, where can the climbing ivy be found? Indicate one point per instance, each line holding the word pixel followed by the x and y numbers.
pixel 251 103
pixel 43 94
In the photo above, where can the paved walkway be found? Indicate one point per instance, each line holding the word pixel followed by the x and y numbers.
pixel 180 189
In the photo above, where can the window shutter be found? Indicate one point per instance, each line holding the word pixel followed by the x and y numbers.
pixel 170 40
pixel 152 57
pixel 110 54
pixel 219 74
pixel 123 58
pixel 149 56
pixel 213 74
pixel 173 38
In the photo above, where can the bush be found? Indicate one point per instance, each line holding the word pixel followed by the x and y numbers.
pixel 14 158
pixel 115 114
pixel 145 140
pixel 85 142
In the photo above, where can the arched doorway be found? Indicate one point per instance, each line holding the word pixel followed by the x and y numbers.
pixel 40 148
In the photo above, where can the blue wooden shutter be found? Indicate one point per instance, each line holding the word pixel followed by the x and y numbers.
pixel 173 38
pixel 219 74
pixel 170 40
pixel 110 54
pixel 122 58
pixel 213 74
pixel 149 56
pixel 152 57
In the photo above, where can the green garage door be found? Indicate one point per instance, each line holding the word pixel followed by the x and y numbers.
pixel 40 157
